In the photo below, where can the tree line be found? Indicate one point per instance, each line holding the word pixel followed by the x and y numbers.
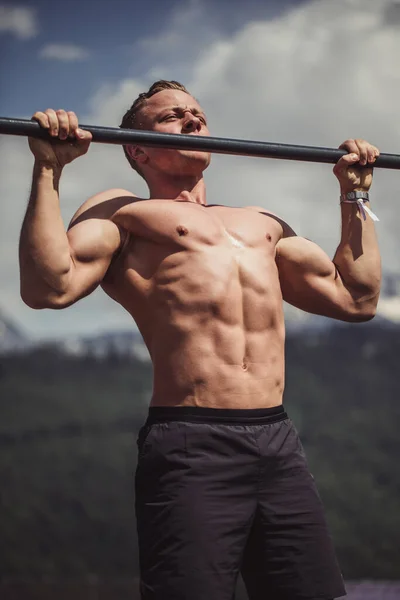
pixel 68 431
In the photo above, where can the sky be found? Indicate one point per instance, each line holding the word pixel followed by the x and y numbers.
pixel 313 72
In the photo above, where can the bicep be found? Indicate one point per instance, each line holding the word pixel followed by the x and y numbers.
pixel 92 243
pixel 310 280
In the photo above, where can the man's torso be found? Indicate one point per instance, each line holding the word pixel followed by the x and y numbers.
pixel 202 284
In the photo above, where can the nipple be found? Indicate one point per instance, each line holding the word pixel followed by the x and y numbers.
pixel 182 230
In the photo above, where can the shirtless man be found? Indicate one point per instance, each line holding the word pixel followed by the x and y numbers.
pixel 222 484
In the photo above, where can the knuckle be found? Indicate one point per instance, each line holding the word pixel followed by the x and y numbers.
pixel 349 145
pixel 41 118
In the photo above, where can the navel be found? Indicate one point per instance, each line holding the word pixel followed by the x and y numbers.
pixel 269 238
pixel 244 365
pixel 182 230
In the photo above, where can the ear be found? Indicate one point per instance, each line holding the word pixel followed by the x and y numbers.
pixel 137 154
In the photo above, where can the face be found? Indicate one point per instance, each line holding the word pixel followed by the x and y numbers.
pixel 173 111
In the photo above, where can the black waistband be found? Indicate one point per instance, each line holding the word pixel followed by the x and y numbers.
pixel 199 414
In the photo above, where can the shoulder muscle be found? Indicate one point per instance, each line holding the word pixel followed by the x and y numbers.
pixel 92 234
pixel 102 205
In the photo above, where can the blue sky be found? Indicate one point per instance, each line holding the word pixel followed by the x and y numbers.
pixel 110 33
pixel 275 70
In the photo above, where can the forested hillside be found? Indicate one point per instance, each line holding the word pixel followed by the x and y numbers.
pixel 68 450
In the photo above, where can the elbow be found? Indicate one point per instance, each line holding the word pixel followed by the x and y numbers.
pixel 32 303
pixel 51 301
pixel 363 316
pixel 38 294
pixel 364 311
pixel 369 312
pixel 30 299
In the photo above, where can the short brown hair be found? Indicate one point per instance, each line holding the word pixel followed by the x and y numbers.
pixel 130 120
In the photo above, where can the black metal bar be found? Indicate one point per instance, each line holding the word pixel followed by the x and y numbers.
pixel 111 135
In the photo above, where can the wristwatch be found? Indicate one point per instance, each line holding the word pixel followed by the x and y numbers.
pixel 357 196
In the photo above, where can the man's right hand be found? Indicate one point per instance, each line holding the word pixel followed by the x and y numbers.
pixel 68 140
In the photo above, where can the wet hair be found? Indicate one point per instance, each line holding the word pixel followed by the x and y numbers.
pixel 130 119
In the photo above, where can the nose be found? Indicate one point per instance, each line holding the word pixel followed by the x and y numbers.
pixel 191 124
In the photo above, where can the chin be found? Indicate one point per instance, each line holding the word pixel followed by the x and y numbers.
pixel 198 158
pixel 187 163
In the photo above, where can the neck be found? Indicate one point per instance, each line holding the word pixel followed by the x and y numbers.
pixel 190 189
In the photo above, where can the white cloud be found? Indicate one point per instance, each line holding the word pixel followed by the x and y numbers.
pixel 316 75
pixel 64 52
pixel 19 21
pixel 190 28
pixel 110 102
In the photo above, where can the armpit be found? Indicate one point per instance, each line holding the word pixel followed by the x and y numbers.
pixel 125 237
pixel 287 231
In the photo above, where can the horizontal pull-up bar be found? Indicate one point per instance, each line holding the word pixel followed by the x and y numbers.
pixel 111 135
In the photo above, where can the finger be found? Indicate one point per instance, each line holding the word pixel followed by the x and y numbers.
pixel 351 146
pixel 53 121
pixel 345 162
pixel 63 124
pixel 348 159
pixel 83 136
pixel 42 119
pixel 371 151
pixel 82 142
pixel 363 151
pixel 376 152
pixel 73 123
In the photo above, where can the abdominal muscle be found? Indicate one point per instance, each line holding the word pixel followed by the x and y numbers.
pixel 212 319
pixel 209 307
pixel 198 372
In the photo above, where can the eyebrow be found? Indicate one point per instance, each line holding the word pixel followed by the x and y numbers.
pixel 178 108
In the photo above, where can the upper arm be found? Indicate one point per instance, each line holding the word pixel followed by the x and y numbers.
pixel 93 244
pixel 93 239
pixel 311 281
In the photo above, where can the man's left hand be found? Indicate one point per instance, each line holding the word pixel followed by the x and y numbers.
pixel 351 169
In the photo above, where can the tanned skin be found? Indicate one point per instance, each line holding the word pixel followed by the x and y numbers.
pixel 204 283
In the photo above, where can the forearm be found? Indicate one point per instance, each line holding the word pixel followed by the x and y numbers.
pixel 357 257
pixel 44 252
